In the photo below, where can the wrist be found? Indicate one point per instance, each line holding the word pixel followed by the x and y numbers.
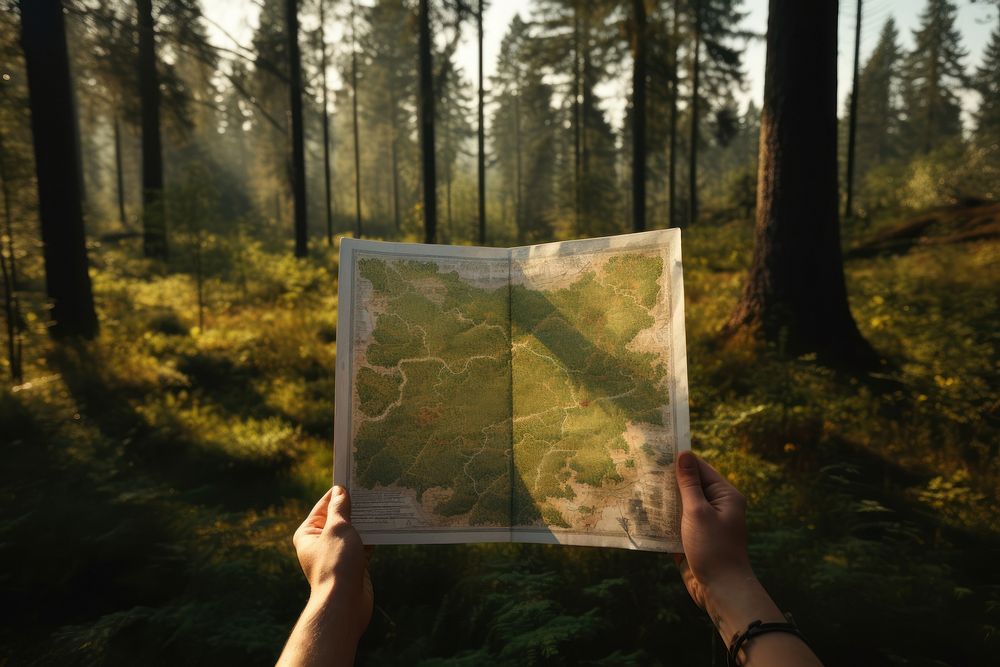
pixel 736 601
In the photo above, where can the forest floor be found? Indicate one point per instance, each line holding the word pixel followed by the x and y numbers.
pixel 152 479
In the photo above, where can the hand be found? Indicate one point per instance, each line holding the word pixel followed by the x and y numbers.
pixel 716 568
pixel 713 531
pixel 335 563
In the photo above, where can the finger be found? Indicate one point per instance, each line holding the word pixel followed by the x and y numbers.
pixel 317 515
pixel 340 507
pixel 714 485
pixel 689 481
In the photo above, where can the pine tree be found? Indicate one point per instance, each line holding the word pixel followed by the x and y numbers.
pixel 713 26
pixel 454 110
pixel 796 295
pixel 578 45
pixel 60 212
pixel 932 74
pixel 640 73
pixel 269 124
pixel 987 84
pixel 154 223
pixel 386 80
pixel 480 130
pixel 524 139
pixel 427 117
pixel 878 104
pixel 298 164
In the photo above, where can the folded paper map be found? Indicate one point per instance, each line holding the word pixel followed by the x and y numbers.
pixel 533 394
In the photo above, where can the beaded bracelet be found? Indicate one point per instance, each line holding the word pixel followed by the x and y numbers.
pixel 753 630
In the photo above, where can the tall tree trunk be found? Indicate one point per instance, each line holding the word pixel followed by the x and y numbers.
pixel 639 116
pixel 796 292
pixel 326 126
pixel 518 171
pixel 8 217
pixel 853 121
pixel 8 266
pixel 154 215
pixel 354 124
pixel 672 169
pixel 481 131
pixel 577 120
pixel 394 159
pixel 298 138
pixel 427 124
pixel 695 119
pixel 447 178
pixel 60 212
pixel 119 174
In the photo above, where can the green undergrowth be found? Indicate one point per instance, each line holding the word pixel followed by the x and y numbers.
pixel 152 480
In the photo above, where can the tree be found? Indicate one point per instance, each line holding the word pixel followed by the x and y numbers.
pixel 932 74
pixel 298 166
pixel 640 46
pixel 674 96
pixel 154 221
pixel 987 84
pixel 795 294
pixel 878 105
pixel 426 95
pixel 8 269
pixel 386 73
pixel 354 122
pixel 60 211
pixel 580 38
pixel 853 114
pixel 326 125
pixel 480 130
pixel 525 140
pixel 713 26
pixel 453 107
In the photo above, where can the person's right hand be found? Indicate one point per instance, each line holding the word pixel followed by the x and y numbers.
pixel 713 531
pixel 716 568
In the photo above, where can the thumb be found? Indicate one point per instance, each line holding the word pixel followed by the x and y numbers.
pixel 689 480
pixel 340 507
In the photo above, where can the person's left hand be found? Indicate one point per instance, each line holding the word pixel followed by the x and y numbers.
pixel 335 562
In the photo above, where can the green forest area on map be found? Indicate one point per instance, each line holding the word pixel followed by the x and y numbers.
pixel 505 399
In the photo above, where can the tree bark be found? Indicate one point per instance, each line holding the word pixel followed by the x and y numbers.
pixel 427 124
pixel 672 169
pixel 639 116
pixel 853 121
pixel 154 215
pixel 481 131
pixel 60 212
pixel 695 100
pixel 298 138
pixel 518 170
pixel 120 174
pixel 394 160
pixel 8 266
pixel 795 295
pixel 326 126
pixel 354 122
pixel 577 119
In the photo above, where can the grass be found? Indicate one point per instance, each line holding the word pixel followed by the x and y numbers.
pixel 152 480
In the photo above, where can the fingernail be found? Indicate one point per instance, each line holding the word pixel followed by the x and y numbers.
pixel 686 460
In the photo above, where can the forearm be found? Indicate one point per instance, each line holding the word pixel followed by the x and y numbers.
pixel 740 603
pixel 320 636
